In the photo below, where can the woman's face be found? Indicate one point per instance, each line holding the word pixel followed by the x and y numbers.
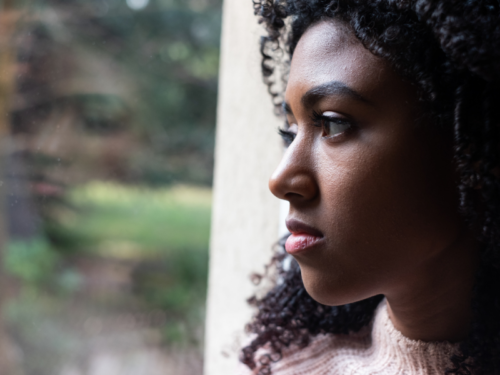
pixel 371 189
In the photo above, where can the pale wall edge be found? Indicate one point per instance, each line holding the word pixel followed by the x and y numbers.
pixel 245 217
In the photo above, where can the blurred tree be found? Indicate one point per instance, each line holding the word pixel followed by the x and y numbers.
pixel 167 51
pixel 112 89
pixel 120 90
pixel 9 361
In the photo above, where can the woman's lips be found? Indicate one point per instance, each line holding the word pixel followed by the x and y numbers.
pixel 302 236
pixel 299 242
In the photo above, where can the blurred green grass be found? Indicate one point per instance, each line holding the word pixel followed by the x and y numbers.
pixel 162 234
pixel 133 222
pixel 165 231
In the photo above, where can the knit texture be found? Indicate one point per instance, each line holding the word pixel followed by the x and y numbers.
pixel 378 349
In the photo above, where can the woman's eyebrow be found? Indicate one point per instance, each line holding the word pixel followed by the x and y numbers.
pixel 317 93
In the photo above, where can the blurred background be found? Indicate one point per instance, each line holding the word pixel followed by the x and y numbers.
pixel 107 123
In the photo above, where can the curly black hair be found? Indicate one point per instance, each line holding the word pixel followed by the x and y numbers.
pixel 450 51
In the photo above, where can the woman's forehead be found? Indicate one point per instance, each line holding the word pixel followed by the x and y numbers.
pixel 328 52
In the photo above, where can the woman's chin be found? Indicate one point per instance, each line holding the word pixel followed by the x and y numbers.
pixel 331 292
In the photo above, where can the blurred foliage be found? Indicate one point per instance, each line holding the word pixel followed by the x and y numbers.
pixel 166 231
pixel 122 91
pixel 32 262
pixel 162 233
pixel 166 56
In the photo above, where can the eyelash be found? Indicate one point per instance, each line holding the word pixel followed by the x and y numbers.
pixel 319 121
pixel 286 135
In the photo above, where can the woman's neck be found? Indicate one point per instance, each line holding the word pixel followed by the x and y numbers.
pixel 433 303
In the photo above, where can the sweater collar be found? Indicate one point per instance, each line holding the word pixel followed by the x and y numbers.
pixel 391 345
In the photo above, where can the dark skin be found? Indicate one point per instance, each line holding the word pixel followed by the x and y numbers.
pixel 376 181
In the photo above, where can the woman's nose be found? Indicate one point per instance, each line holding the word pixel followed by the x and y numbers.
pixel 294 178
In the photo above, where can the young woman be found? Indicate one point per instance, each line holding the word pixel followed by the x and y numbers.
pixel 392 173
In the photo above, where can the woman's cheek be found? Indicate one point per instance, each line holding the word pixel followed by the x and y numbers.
pixel 349 266
pixel 362 240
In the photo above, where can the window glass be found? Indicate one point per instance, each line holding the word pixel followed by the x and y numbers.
pixel 107 130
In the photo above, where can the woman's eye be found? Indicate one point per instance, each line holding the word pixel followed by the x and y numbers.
pixel 331 124
pixel 288 133
pixel 334 126
pixel 287 136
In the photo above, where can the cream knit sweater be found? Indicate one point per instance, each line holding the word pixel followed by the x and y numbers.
pixel 379 349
